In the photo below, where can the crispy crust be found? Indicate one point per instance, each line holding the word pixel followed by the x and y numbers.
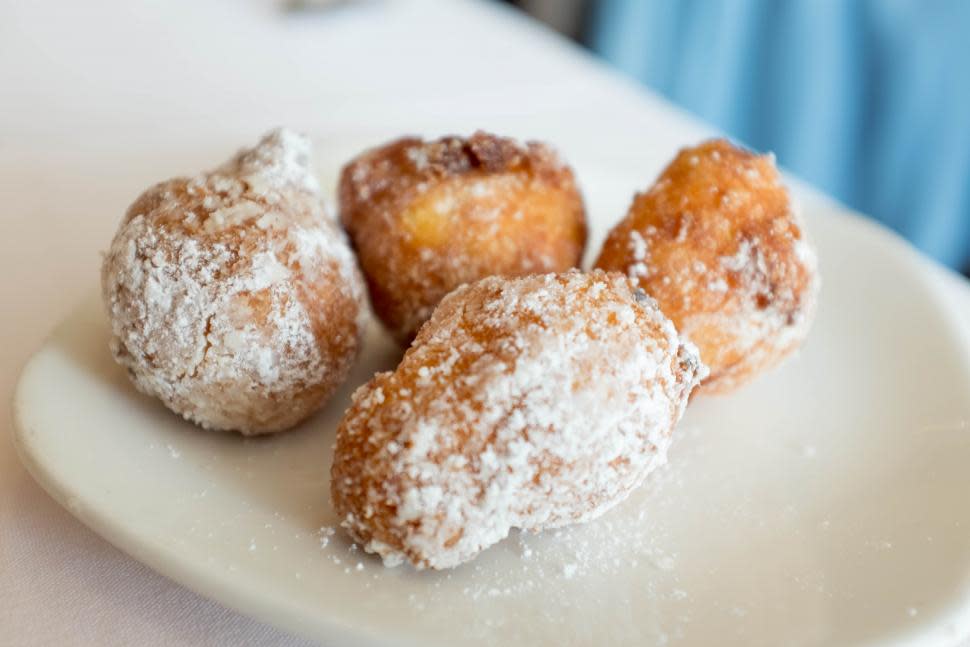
pixel 426 217
pixel 716 242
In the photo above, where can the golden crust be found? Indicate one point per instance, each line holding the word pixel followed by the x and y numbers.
pixel 426 217
pixel 716 242
pixel 527 402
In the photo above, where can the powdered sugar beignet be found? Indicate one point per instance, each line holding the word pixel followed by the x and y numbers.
pixel 232 296
pixel 531 403
pixel 717 242
pixel 428 216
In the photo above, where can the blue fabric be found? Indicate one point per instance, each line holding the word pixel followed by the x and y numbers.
pixel 867 99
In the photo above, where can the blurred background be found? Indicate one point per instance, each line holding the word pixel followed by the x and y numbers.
pixel 867 99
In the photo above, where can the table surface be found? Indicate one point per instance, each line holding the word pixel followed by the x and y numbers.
pixel 100 99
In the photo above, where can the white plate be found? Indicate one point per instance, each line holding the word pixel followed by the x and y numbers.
pixel 827 503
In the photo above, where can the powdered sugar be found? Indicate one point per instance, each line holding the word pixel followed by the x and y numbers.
pixel 718 243
pixel 213 290
pixel 281 158
pixel 543 408
pixel 427 216
pixel 627 555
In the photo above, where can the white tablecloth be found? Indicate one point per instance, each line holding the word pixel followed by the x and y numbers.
pixel 100 98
